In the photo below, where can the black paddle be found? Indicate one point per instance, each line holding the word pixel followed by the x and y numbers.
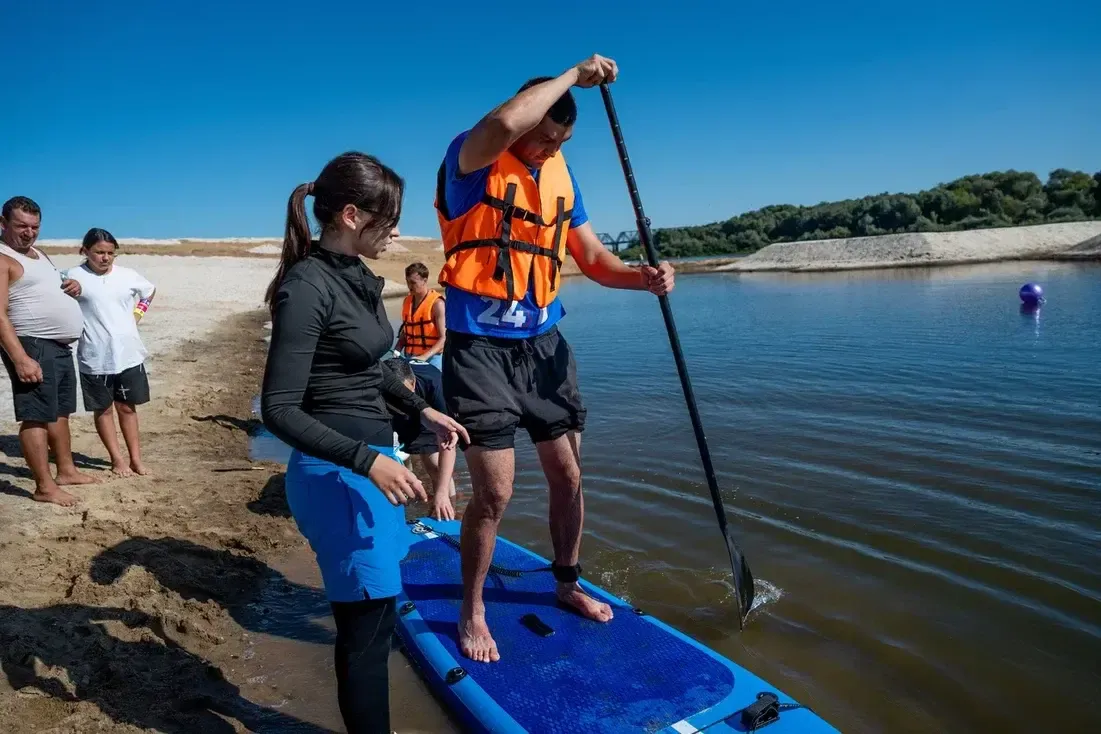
pixel 743 579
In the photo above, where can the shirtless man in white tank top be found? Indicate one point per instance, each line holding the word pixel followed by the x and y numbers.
pixel 39 321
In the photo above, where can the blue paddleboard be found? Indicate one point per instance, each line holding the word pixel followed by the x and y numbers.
pixel 632 674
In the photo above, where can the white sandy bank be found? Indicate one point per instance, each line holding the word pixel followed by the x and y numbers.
pixel 1040 242
pixel 146 241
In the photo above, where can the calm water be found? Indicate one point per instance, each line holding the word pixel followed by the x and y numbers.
pixel 913 468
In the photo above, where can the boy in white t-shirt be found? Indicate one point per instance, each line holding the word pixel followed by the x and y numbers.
pixel 111 355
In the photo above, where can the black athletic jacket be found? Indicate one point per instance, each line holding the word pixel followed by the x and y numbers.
pixel 325 389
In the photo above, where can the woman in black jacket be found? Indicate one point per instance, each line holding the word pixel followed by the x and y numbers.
pixel 325 394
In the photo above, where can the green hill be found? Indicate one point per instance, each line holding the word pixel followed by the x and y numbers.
pixel 998 199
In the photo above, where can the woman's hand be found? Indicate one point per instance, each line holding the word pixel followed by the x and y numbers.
pixel 400 485
pixel 447 429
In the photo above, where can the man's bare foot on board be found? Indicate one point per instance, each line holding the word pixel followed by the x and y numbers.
pixel 475 642
pixel 140 468
pixel 75 478
pixel 122 469
pixel 572 596
pixel 54 495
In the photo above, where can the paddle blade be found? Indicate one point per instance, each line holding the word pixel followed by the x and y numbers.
pixel 743 579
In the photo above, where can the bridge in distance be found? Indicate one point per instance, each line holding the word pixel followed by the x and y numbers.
pixel 621 241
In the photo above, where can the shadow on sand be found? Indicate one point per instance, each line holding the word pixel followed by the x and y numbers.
pixel 258 598
pixel 123 662
pixel 273 498
pixel 10 446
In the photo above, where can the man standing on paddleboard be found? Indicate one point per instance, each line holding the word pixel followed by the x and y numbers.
pixel 509 209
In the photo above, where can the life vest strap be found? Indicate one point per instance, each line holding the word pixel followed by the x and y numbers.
pixel 504 263
pixel 559 220
pixel 517 245
pixel 511 211
pixel 420 340
pixel 518 212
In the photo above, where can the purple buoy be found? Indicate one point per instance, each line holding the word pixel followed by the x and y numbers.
pixel 1032 294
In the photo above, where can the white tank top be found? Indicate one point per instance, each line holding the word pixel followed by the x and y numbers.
pixel 37 306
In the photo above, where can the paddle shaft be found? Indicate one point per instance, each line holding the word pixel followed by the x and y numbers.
pixel 646 238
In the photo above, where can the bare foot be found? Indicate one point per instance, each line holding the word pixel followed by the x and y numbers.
pixel 122 469
pixel 54 495
pixel 140 468
pixel 572 596
pixel 475 641
pixel 68 480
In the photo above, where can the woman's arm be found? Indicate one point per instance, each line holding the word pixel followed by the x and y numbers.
pixel 299 312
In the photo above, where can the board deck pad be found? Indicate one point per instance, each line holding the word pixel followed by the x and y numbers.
pixel 632 674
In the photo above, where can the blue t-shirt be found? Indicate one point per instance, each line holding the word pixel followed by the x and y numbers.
pixel 481 315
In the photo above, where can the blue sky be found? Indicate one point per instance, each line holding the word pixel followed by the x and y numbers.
pixel 197 119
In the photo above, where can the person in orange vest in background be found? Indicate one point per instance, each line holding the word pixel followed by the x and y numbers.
pixel 509 209
pixel 423 324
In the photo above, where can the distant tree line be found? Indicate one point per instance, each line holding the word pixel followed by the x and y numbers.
pixel 999 199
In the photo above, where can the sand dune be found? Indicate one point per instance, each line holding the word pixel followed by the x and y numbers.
pixel 1039 242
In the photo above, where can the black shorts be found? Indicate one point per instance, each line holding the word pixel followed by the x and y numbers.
pixel 425 443
pixel 131 387
pixel 55 396
pixel 494 386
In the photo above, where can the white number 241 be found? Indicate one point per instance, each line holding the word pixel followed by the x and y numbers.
pixel 497 312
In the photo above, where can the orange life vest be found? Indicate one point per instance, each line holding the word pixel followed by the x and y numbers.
pixel 417 327
pixel 518 226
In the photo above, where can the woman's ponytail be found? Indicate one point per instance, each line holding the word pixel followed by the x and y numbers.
pixel 296 238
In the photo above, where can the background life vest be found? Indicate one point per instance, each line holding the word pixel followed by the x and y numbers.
pixel 518 227
pixel 417 327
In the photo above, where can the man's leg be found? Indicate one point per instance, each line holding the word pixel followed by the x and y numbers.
pixel 491 476
pixel 62 448
pixel 60 438
pixel 561 462
pixel 480 390
pixel 555 419
pixel 33 440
